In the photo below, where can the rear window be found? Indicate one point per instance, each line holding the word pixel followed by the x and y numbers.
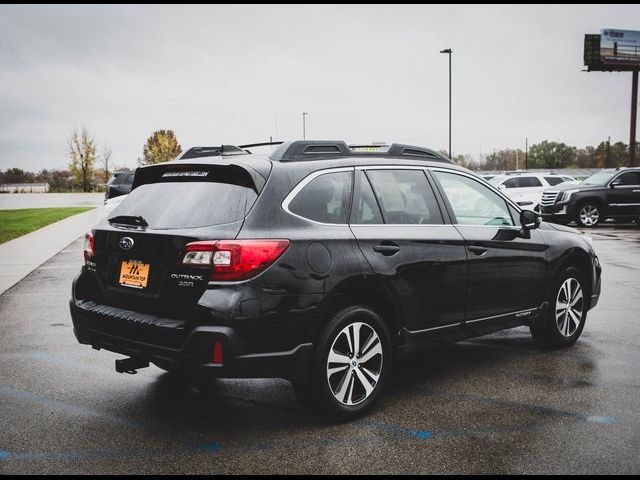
pixel 122 179
pixel 191 199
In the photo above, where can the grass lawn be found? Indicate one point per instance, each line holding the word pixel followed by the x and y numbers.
pixel 15 223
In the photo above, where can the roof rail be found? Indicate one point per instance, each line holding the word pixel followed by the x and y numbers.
pixel 328 149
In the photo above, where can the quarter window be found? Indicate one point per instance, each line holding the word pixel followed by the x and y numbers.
pixel 325 199
pixel 405 197
pixel 472 202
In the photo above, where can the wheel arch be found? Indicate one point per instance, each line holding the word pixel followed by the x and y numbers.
pixel 367 291
pixel 580 260
pixel 601 203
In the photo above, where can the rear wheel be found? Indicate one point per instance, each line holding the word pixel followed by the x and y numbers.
pixel 588 215
pixel 351 364
pixel 567 313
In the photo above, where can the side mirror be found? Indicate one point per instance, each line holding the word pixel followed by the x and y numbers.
pixel 529 219
pixel 615 183
pixel 502 187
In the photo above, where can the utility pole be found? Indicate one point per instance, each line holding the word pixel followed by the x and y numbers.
pixel 304 125
pixel 448 51
pixel 526 154
pixel 634 115
pixel 608 159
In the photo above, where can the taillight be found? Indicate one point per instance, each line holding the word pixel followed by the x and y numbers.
pixel 89 246
pixel 218 352
pixel 234 260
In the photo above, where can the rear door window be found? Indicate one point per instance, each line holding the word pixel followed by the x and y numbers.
pixel 365 209
pixel 176 200
pixel 553 181
pixel 325 199
pixel 405 197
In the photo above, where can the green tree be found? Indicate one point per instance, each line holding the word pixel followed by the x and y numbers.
pixel 162 146
pixel 82 152
pixel 612 154
pixel 551 155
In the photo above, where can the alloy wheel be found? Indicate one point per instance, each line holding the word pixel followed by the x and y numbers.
pixel 354 364
pixel 569 307
pixel 589 215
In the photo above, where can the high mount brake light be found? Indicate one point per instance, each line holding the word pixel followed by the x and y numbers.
pixel 234 260
pixel 89 246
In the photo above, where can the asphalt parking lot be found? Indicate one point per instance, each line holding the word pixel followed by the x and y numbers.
pixel 495 404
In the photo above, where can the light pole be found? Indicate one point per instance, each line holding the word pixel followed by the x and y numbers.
pixel 448 51
pixel 304 125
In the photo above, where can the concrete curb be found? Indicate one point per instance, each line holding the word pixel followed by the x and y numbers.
pixel 21 256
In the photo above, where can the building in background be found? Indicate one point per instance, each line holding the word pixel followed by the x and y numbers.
pixel 24 187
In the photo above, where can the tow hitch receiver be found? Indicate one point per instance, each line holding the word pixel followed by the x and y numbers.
pixel 130 365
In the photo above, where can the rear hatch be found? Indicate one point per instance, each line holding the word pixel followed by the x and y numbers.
pixel 137 251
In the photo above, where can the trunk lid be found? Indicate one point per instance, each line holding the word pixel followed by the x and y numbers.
pixel 137 254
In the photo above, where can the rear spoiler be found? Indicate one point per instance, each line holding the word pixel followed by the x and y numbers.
pixel 184 171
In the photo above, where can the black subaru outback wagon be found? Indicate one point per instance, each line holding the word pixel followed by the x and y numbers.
pixel 322 264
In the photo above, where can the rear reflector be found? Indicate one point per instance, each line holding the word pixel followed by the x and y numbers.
pixel 234 260
pixel 89 246
pixel 218 352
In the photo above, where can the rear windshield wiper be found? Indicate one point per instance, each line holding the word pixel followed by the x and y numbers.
pixel 138 221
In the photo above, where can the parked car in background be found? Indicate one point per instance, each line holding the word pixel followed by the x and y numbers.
pixel 526 188
pixel 119 184
pixel 609 193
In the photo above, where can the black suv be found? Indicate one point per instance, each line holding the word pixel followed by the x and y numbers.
pixel 322 264
pixel 606 194
pixel 119 184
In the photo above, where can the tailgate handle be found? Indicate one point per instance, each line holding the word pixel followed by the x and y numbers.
pixel 387 248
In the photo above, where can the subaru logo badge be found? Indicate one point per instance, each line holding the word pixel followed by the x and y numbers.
pixel 126 243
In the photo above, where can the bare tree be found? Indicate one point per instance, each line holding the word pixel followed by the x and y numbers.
pixel 106 156
pixel 82 154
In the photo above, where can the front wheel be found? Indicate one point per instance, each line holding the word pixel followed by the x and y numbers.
pixel 351 364
pixel 567 313
pixel 588 215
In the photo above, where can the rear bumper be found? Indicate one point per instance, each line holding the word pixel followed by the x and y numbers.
pixel 190 349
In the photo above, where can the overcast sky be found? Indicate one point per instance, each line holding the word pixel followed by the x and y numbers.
pixel 223 74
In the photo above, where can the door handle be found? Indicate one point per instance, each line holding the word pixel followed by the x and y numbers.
pixel 636 191
pixel 387 249
pixel 477 250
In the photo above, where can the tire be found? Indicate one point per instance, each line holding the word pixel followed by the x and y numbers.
pixel 342 394
pixel 559 328
pixel 588 215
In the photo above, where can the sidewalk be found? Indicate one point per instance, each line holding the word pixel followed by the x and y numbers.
pixel 21 256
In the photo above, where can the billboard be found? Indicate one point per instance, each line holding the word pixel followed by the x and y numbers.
pixel 620 47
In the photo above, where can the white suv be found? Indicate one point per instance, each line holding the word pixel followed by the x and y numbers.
pixel 526 188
